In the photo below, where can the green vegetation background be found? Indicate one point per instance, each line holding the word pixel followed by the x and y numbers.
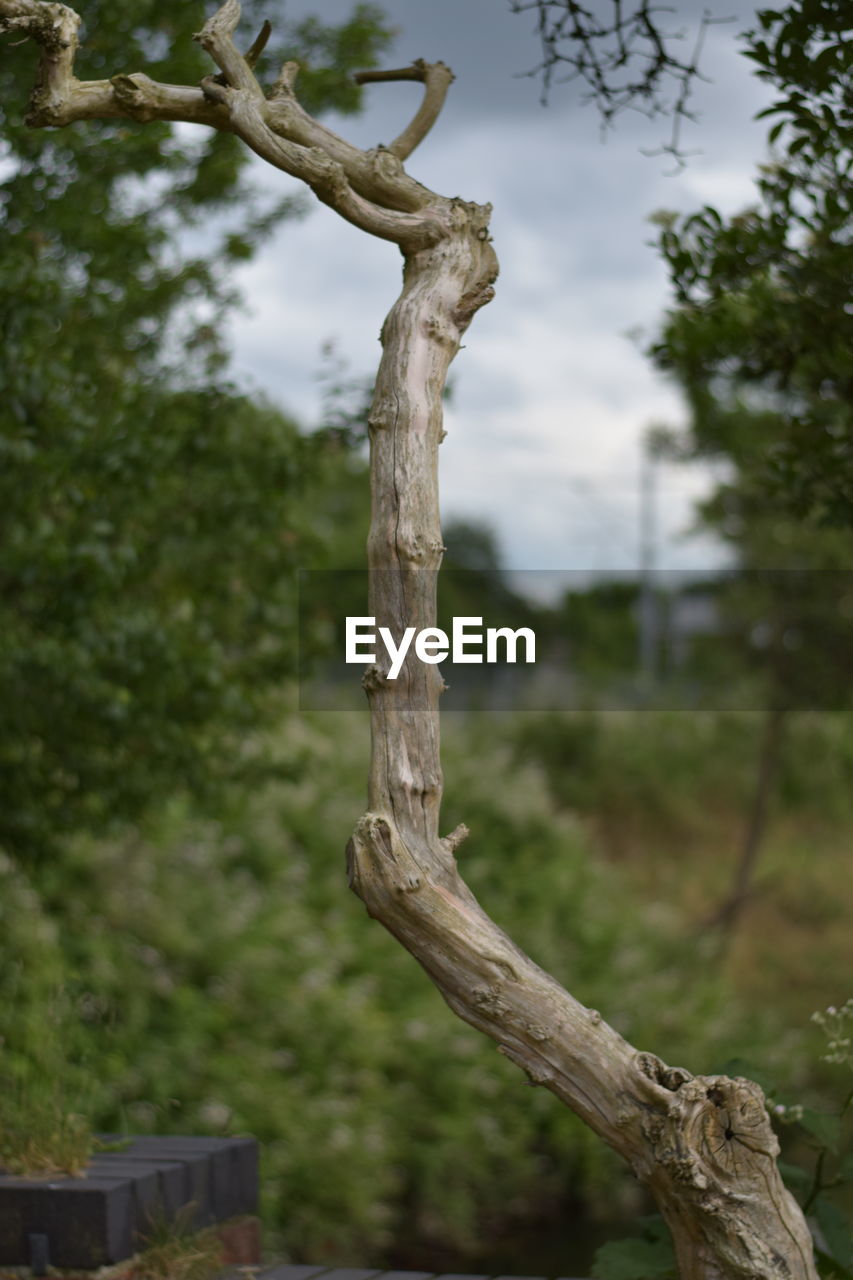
pixel 178 952
pixel 207 972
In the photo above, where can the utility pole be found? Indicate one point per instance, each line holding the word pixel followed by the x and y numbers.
pixel 648 640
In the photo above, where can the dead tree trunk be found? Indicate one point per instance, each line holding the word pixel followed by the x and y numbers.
pixel 703 1145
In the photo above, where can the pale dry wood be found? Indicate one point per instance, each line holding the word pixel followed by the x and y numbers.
pixel 703 1145
pixel 361 186
pixel 437 79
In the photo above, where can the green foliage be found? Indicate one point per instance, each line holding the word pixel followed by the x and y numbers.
pixel 601 624
pixel 218 979
pixel 148 596
pixel 40 1137
pixel 328 55
pixel 45 1105
pixel 822 1177
pixel 830 1192
pixel 761 342
pixel 644 1257
pixel 652 771
pixel 173 1251
pixel 762 336
pixel 152 515
pixel 783 634
pixel 666 796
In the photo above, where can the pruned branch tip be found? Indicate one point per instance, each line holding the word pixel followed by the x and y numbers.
pixel 217 37
pixel 436 78
pixel 259 44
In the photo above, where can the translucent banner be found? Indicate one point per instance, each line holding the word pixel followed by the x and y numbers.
pixel 534 639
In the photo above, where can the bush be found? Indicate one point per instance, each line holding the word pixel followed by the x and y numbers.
pixel 217 978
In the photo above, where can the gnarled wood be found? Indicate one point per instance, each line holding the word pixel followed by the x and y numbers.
pixel 703 1145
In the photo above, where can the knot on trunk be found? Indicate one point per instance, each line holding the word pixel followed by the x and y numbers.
pixel 671 1078
pixel 385 164
pixel 480 285
pixel 378 863
pixel 373 678
pixel 714 1144
pixel 130 93
pixel 280 114
pixel 715 1131
pixel 328 180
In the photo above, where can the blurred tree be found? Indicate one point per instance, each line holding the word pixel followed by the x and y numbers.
pixel 761 337
pixel 473 581
pixel 151 517
pixel 601 623
pixel 786 622
pixel 761 341
pixel 473 545
pixel 625 55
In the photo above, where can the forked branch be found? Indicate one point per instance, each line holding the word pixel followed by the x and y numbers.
pixel 217 37
pixel 259 44
pixel 369 189
pixel 437 79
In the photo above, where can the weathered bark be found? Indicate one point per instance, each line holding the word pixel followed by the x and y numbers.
pixel 703 1145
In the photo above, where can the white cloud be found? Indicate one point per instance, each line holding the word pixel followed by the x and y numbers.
pixel 549 388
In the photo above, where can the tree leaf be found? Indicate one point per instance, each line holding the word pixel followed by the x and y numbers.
pixel 635 1259
pixel 837 1231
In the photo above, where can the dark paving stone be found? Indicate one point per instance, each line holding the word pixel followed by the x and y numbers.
pixel 285 1271
pixel 161 1187
pixel 85 1222
pixel 407 1275
pixel 453 1275
pixel 290 1272
pixel 351 1273
pixel 222 1172
pixel 107 1215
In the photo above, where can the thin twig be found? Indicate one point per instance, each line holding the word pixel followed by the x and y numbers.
pixel 437 79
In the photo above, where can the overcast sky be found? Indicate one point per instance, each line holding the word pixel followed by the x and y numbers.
pixel 551 396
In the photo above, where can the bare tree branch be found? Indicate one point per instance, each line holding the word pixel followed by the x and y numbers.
pixel 59 98
pixel 325 175
pixel 437 78
pixel 216 37
pixel 377 175
pixel 628 61
pixel 369 189
pixel 259 44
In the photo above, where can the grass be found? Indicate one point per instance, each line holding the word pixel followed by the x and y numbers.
pixel 173 1252
pixel 40 1138
pixel 666 797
